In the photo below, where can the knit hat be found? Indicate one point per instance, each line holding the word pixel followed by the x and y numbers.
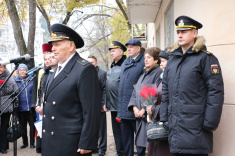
pixel 164 54
pixel 22 65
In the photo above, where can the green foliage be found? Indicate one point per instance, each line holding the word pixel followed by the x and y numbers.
pixel 52 7
pixel 117 26
pixel 3 13
pixel 22 7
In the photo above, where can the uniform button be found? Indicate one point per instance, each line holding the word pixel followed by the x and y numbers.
pixel 45 102
pixel 52 118
pixel 44 116
pixel 52 133
pixel 44 131
pixel 53 102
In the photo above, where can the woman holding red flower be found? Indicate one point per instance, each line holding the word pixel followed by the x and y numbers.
pixel 159 148
pixel 5 92
pixel 150 76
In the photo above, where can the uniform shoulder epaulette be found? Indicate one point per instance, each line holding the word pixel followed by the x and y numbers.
pixel 209 53
pixel 82 62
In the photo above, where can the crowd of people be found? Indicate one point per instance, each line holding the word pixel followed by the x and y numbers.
pixel 73 95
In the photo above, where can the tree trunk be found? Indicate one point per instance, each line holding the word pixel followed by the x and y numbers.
pixel 20 42
pixel 32 25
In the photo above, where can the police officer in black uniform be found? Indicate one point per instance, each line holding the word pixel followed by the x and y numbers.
pixel 70 110
pixel 193 92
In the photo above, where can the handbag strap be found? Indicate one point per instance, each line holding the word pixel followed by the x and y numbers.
pixel 159 100
pixel 156 111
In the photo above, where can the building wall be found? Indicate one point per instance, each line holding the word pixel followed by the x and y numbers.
pixel 218 21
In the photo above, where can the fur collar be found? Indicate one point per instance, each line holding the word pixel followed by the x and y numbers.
pixel 198 45
pixel 119 63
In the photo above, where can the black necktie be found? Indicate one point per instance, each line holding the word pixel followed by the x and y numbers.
pixel 59 68
pixel 132 60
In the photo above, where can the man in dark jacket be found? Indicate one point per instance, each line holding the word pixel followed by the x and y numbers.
pixel 102 143
pixel 46 49
pixel 193 92
pixel 112 83
pixel 71 108
pixel 131 70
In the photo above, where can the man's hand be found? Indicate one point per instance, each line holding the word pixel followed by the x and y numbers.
pixel 83 151
pixel 104 108
pixel 39 110
pixel 149 111
pixel 141 113
pixel 136 111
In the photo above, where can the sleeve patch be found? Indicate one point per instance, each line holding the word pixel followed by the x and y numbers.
pixel 214 69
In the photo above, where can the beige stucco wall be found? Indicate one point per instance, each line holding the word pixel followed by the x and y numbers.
pixel 218 19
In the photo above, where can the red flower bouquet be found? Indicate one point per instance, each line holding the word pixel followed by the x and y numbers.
pixel 149 95
pixel 2 81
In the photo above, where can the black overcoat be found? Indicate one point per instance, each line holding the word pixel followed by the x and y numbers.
pixel 192 99
pixel 148 77
pixel 130 73
pixel 70 111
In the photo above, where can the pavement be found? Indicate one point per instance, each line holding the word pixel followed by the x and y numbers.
pixel 111 150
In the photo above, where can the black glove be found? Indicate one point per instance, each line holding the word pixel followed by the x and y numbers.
pixel 166 125
pixel 32 110
pixel 209 129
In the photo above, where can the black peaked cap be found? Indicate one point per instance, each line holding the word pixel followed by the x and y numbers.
pixel 185 23
pixel 61 32
pixel 116 44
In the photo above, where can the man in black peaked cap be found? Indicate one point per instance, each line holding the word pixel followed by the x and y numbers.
pixel 70 110
pixel 117 50
pixel 193 92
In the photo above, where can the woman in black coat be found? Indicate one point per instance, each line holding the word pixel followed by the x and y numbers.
pixel 160 147
pixel 150 76
pixel 5 92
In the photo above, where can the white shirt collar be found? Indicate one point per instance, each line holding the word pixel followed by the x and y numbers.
pixel 136 56
pixel 63 65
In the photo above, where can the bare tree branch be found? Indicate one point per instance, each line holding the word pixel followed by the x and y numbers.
pixel 32 27
pixel 105 7
pixel 89 16
pixel 120 5
pixel 67 17
pixel 44 14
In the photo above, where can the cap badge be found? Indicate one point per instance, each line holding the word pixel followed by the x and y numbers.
pixel 214 69
pixel 181 23
pixel 55 37
pixel 114 46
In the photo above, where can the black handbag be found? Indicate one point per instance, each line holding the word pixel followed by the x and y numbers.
pixel 155 129
pixel 14 133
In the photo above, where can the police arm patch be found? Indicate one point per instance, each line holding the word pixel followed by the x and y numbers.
pixel 214 68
